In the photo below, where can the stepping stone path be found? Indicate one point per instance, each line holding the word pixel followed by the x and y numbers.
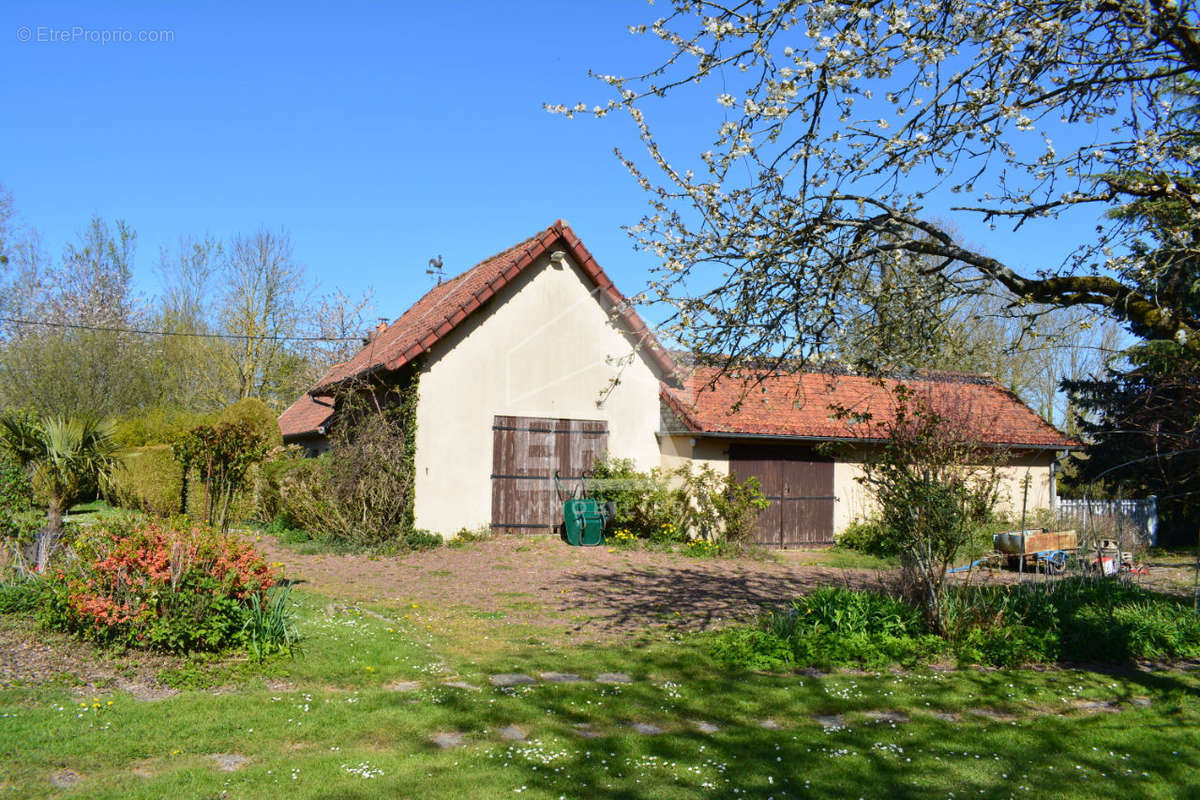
pixel 511 679
pixel 229 762
pixel 511 733
pixel 461 685
pixel 887 717
pixel 945 716
pixel 831 722
pixel 706 727
pixel 613 677
pixel 1097 706
pixel 65 778
pixel 991 713
pixel 403 686
pixel 770 725
pixel 584 730
pixel 647 728
pixel 560 677
pixel 446 740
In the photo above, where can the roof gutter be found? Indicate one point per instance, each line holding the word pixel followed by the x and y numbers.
pixel 853 439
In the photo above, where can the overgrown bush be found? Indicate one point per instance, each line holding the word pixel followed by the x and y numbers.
pixel 267 478
pixel 675 506
pixel 361 492
pixel 132 584
pixel 647 505
pixel 147 479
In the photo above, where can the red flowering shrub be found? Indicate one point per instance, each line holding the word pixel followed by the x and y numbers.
pixel 143 584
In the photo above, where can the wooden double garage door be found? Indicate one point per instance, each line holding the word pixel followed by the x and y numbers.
pixel 798 483
pixel 526 452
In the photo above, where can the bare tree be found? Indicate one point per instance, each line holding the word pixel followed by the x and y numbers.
pixel 190 366
pixel 339 320
pixel 72 353
pixel 264 305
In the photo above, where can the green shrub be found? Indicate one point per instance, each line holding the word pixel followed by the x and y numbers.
pixel 257 416
pixel 647 506
pixel 869 536
pixel 133 584
pixel 750 649
pixel 148 479
pixel 218 459
pixel 833 626
pixel 156 426
pixel 1102 620
pixel 675 506
pixel 422 540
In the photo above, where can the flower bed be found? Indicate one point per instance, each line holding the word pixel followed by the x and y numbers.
pixel 150 585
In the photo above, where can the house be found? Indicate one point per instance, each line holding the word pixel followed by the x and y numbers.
pixel 533 363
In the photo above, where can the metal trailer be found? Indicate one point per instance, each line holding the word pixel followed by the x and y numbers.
pixel 1046 551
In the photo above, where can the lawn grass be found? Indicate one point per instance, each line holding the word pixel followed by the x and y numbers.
pixel 849 559
pixel 327 725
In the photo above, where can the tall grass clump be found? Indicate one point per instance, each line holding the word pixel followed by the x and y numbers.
pixel 270 626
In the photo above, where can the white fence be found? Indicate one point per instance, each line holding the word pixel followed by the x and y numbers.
pixel 1139 515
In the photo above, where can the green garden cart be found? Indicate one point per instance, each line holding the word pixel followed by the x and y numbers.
pixel 585 514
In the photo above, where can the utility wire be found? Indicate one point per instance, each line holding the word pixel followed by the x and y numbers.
pixel 76 326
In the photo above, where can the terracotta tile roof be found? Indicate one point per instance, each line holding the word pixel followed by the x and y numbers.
pixel 448 304
pixel 798 405
pixel 305 415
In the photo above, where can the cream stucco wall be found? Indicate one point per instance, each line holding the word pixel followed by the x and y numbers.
pixel 545 346
pixel 854 502
pixel 678 450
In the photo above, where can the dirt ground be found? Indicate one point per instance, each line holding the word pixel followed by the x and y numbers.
pixel 29 654
pixel 595 592
pixel 569 594
pixel 587 589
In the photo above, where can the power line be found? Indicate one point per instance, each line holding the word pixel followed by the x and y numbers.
pixel 146 332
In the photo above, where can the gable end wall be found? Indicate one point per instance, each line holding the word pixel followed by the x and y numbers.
pixel 545 346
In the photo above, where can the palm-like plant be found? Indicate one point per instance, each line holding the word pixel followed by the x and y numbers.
pixel 68 458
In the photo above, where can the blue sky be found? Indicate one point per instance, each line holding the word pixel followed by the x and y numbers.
pixel 377 135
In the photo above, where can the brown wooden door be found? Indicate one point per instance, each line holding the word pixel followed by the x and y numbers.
pixel 526 452
pixel 798 483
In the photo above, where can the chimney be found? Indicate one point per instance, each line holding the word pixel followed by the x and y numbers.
pixel 372 335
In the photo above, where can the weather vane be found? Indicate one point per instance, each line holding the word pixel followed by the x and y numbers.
pixel 435 269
